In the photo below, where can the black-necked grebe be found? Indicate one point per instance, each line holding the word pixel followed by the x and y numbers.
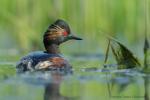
pixel 51 59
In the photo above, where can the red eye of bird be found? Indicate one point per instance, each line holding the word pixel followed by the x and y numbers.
pixel 65 33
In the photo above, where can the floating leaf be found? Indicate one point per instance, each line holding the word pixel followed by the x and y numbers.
pixel 124 57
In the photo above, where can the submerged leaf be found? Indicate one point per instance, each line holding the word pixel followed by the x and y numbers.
pixel 124 57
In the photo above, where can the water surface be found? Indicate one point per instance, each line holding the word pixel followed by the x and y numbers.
pixel 88 82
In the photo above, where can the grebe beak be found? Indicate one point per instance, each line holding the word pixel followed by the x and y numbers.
pixel 73 37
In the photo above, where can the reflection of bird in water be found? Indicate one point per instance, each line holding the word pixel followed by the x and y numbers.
pixel 52 90
pixel 51 59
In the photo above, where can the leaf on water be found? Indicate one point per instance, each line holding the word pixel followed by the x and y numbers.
pixel 123 56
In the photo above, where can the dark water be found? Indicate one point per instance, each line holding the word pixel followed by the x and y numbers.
pixel 88 82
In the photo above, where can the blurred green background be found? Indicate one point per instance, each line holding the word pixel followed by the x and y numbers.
pixel 23 22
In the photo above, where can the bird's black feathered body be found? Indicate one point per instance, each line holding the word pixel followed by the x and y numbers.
pixel 30 61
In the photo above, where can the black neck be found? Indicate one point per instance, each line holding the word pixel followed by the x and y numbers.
pixel 53 49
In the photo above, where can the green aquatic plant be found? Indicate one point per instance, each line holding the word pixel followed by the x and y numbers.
pixel 146 68
pixel 123 56
pixel 146 55
pixel 126 60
